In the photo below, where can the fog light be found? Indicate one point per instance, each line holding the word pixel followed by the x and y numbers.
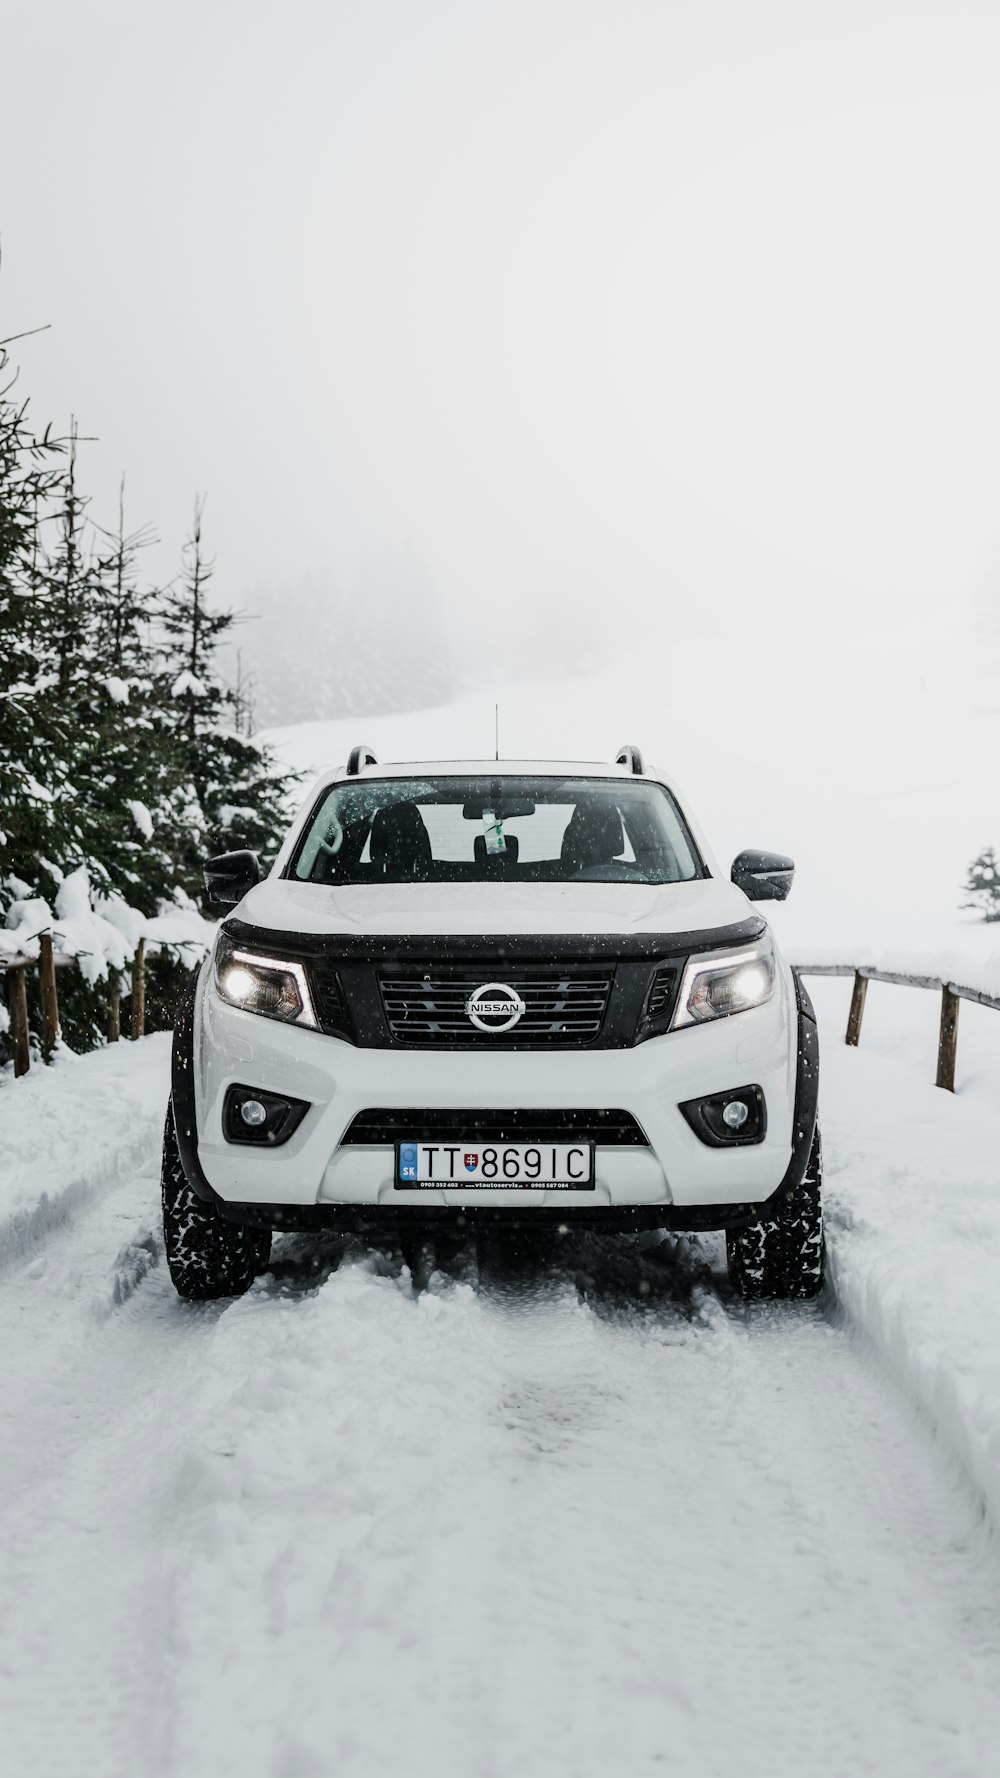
pixel 253 1115
pixel 728 1120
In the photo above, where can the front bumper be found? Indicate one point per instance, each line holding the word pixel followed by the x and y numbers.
pixel 313 1172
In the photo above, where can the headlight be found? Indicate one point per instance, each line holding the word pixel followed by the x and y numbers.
pixel 713 987
pixel 271 986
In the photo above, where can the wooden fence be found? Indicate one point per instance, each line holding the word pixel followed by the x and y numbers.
pixel 47 963
pixel 951 993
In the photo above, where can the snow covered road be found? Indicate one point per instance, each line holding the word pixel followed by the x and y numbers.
pixel 573 1513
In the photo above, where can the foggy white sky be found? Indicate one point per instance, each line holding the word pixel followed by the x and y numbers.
pixel 559 303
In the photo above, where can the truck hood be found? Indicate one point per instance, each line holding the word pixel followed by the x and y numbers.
pixel 281 904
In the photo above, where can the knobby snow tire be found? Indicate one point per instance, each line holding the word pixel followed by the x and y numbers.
pixel 207 1256
pixel 782 1255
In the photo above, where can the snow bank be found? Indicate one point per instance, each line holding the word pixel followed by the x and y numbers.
pixel 71 1130
pixel 913 1235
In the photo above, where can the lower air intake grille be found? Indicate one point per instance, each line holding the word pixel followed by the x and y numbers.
pixel 609 1129
pixel 562 1007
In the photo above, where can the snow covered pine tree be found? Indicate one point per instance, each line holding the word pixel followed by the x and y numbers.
pixel 138 776
pixel 982 885
pixel 236 794
pixel 34 742
pixel 122 761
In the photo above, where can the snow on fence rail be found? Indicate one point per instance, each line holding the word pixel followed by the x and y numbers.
pixel 951 993
pixel 103 937
pixel 47 962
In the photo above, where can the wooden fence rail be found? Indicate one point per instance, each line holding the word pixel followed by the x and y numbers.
pixel 951 994
pixel 47 963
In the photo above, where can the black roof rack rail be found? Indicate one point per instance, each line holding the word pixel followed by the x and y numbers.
pixel 630 756
pixel 361 756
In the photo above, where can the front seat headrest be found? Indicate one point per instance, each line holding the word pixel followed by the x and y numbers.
pixel 400 843
pixel 594 835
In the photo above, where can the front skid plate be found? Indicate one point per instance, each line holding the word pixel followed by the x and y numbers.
pixel 375 1219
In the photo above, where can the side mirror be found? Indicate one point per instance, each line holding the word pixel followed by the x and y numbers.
pixel 229 877
pixel 763 876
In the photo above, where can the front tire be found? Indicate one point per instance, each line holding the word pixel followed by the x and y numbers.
pixel 207 1256
pixel 782 1255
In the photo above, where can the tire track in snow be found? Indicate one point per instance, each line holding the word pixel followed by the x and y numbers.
pixel 333 1528
pixel 330 1527
pixel 482 1534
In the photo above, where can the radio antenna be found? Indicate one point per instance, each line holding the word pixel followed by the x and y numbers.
pixel 496 709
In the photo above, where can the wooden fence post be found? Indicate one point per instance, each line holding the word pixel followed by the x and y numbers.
pixel 139 990
pixel 857 1011
pixel 19 1021
pixel 50 998
pixel 947 1040
pixel 115 1008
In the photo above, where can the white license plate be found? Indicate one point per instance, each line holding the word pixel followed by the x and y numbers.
pixel 496 1166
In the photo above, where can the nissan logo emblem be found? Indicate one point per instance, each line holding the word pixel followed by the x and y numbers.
pixel 494 1007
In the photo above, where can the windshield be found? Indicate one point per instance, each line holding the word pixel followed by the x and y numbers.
pixel 509 829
